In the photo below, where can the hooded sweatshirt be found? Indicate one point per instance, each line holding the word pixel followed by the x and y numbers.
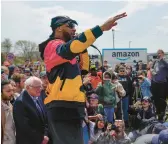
pixel 107 93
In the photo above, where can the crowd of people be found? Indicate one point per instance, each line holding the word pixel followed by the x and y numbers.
pixel 65 102
pixel 121 105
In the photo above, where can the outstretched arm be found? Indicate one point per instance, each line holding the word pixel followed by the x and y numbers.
pixel 78 45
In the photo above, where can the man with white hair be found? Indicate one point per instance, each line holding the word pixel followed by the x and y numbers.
pixel 29 116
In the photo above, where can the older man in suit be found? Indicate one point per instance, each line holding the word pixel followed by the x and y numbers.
pixel 29 115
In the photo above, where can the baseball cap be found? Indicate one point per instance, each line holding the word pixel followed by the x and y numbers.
pixel 158 128
pixel 162 138
pixel 42 74
pixel 60 20
pixel 93 96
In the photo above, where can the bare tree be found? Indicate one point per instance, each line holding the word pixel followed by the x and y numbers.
pixel 6 45
pixel 26 48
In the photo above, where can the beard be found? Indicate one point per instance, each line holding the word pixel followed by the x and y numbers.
pixel 67 36
pixel 6 98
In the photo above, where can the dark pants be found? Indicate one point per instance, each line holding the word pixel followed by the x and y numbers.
pixel 65 131
pixel 159 91
pixel 118 112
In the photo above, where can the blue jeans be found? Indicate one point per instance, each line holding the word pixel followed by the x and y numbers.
pixel 85 134
pixel 109 112
pixel 125 105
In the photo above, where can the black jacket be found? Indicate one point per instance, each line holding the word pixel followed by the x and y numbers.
pixel 30 126
pixel 146 117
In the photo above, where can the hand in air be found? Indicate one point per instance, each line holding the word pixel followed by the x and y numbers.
pixel 111 22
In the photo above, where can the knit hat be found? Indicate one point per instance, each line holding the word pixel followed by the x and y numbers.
pixel 60 20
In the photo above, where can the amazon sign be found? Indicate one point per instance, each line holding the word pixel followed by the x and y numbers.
pixel 124 55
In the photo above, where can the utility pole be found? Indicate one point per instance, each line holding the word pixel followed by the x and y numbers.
pixel 130 44
pixel 113 38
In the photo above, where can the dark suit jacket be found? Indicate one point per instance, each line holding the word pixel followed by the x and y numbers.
pixel 30 126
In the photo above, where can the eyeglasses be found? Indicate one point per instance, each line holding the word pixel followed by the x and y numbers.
pixel 36 87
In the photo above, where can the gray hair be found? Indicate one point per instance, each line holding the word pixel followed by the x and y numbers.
pixel 31 80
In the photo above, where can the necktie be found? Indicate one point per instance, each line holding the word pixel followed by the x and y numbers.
pixel 38 107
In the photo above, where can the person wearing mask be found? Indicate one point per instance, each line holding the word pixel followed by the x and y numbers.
pixel 7 123
pixel 65 94
pixel 159 84
pixel 107 96
pixel 29 115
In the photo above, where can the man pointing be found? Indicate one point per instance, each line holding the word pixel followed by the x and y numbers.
pixel 65 99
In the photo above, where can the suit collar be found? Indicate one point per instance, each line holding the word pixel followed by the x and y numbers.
pixel 29 101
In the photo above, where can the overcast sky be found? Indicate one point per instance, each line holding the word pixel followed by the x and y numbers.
pixel 146 25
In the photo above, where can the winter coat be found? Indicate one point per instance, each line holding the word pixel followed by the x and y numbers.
pixel 8 126
pixel 107 94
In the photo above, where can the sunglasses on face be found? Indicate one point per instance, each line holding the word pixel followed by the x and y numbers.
pixel 122 71
pixel 145 101
pixel 70 25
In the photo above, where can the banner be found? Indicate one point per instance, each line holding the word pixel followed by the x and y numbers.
pixel 124 55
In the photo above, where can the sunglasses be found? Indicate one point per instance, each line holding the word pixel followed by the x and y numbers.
pixel 145 101
pixel 71 25
pixel 122 71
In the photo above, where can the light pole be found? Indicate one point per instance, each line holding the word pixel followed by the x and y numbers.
pixel 113 38
pixel 130 44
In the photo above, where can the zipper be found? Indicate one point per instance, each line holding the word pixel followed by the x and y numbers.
pixel 62 85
